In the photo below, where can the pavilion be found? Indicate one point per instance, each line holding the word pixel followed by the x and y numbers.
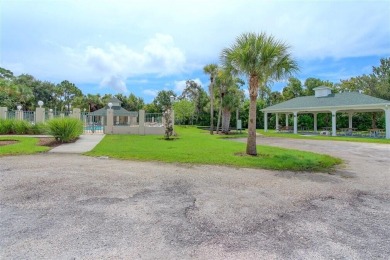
pixel 324 101
pixel 121 115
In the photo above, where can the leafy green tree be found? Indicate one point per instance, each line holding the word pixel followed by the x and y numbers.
pixel 43 91
pixel 381 75
pixel 7 93
pixel 106 98
pixel 123 99
pixel 312 83
pixel 211 69
pixel 194 93
pixel 27 85
pixel 293 89
pixel 275 98
pixel 264 91
pixel 93 102
pixel 135 103
pixel 152 108
pixel 6 74
pixel 376 84
pixel 24 96
pixel 67 92
pixel 163 100
pixel 261 58
pixel 184 109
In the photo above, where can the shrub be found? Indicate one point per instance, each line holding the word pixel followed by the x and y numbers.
pixel 65 129
pixel 6 126
pixel 38 129
pixel 20 127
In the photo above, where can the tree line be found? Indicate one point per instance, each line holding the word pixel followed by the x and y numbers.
pixel 259 58
pixel 224 99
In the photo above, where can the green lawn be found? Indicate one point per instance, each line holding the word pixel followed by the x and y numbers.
pixel 197 146
pixel 273 133
pixel 24 145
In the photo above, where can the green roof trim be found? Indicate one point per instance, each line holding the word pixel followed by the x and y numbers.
pixel 346 99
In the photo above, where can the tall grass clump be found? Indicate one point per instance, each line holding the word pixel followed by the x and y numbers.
pixel 65 129
pixel 38 129
pixel 6 126
pixel 21 127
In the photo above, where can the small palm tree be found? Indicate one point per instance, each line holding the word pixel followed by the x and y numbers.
pixel 225 83
pixel 212 70
pixel 261 58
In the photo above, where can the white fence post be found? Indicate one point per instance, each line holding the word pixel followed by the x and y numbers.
pixel 3 112
pixel 39 115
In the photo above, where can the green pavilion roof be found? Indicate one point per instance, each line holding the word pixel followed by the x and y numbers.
pixel 345 100
pixel 118 111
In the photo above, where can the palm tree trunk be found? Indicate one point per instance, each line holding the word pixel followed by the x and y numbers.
pixel 373 123
pixel 226 115
pixel 211 108
pixel 253 90
pixel 219 116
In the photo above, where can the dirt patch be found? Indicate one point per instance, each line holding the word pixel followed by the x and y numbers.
pixel 7 142
pixel 48 141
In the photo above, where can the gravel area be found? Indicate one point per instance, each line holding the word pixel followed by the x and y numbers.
pixel 66 206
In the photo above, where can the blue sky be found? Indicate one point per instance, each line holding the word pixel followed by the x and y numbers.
pixel 145 46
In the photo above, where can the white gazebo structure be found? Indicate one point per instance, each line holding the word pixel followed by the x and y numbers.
pixel 324 101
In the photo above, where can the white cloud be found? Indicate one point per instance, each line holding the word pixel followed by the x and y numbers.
pixel 115 82
pixel 159 56
pixel 162 56
pixel 110 44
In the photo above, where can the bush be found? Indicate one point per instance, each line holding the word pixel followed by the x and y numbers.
pixel 65 129
pixel 6 126
pixel 20 127
pixel 38 129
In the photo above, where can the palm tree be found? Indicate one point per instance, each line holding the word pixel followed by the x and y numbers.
pixel 231 101
pixel 261 58
pixel 211 69
pixel 226 83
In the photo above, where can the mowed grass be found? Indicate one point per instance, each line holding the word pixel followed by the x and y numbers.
pixel 195 146
pixel 273 133
pixel 23 145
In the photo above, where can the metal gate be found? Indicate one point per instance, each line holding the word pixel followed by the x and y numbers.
pixel 93 124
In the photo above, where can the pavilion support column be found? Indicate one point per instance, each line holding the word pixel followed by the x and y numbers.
pixel 350 114
pixel 276 121
pixel 265 121
pixel 315 122
pixel 334 123
pixel 295 122
pixel 286 119
pixel 387 121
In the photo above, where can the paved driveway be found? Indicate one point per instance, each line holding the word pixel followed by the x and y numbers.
pixel 64 206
